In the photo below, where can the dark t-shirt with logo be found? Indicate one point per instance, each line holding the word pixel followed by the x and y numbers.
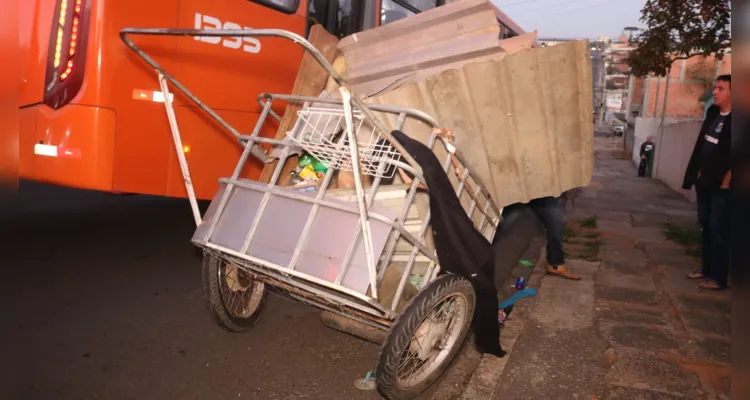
pixel 647 149
pixel 711 143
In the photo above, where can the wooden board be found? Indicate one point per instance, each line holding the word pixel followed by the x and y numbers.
pixel 311 80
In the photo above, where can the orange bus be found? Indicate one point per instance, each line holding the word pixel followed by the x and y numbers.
pixel 90 110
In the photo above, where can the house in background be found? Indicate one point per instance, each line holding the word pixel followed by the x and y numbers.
pixel 689 82
pixel 546 42
pixel 617 74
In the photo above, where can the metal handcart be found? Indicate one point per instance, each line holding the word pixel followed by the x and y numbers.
pixel 364 254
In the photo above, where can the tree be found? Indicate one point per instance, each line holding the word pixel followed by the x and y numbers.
pixel 702 72
pixel 630 30
pixel 678 30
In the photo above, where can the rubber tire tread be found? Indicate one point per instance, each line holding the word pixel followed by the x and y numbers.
pixel 402 330
pixel 212 293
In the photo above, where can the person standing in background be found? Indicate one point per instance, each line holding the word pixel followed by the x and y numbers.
pixel 647 157
pixel 709 170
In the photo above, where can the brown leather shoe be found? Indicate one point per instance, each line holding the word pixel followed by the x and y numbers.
pixel 562 271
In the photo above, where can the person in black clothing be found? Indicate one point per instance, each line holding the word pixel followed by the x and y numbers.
pixel 709 171
pixel 647 155
pixel 550 213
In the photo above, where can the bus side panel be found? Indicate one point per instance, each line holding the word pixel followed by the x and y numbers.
pixel 228 73
pixel 228 80
pixel 35 24
pixel 28 119
pixel 227 76
pixel 73 145
pixel 87 161
pixel 143 136
pixel 211 154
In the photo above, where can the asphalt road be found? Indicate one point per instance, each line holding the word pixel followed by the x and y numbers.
pixel 102 300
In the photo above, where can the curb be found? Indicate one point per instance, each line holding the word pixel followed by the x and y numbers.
pixel 485 379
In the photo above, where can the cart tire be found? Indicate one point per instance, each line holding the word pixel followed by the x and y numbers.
pixel 389 384
pixel 212 268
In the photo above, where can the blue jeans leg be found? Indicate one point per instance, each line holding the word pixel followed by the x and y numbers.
pixel 510 215
pixel 703 200
pixel 550 212
pixel 713 215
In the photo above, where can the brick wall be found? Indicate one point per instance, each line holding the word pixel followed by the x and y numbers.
pixel 684 89
pixel 637 91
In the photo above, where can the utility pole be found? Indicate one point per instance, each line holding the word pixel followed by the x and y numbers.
pixel 604 91
pixel 661 127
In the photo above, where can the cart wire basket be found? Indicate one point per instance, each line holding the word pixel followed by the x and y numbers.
pixel 363 253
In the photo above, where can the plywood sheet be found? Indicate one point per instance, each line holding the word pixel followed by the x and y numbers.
pixel 523 121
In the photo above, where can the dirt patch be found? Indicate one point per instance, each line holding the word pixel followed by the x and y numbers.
pixel 713 375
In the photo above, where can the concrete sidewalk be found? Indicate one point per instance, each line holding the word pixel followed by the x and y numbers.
pixel 634 327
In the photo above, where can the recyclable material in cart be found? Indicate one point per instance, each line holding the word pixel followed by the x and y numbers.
pixel 304 174
pixel 318 166
pixel 322 128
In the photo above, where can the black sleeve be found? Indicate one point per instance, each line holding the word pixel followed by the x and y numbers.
pixel 691 171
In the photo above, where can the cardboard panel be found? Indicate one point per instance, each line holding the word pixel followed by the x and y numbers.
pixel 524 122
pixel 410 49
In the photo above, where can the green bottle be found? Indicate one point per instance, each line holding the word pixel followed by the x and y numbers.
pixel 307 159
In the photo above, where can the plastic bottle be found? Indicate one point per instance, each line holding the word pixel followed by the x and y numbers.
pixel 307 159
pixel 520 283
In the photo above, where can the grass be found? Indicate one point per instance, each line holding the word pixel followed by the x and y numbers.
pixel 688 237
pixel 589 222
pixel 591 250
pixel 682 235
pixel 582 240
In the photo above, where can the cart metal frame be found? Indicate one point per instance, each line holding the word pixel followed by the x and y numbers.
pixel 323 294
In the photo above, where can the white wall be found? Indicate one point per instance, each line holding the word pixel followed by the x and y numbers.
pixel 643 128
pixel 672 151
pixel 676 147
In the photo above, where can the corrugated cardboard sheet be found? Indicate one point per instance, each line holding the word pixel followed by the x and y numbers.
pixel 523 121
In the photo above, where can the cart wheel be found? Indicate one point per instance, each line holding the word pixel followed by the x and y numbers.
pixel 425 337
pixel 235 300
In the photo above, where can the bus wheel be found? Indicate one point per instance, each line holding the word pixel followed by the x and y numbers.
pixel 235 300
pixel 425 338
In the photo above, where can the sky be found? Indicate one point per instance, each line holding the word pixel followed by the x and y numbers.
pixel 575 19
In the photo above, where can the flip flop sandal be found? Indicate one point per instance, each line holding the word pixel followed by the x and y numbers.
pixel 697 274
pixel 710 285
pixel 368 383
